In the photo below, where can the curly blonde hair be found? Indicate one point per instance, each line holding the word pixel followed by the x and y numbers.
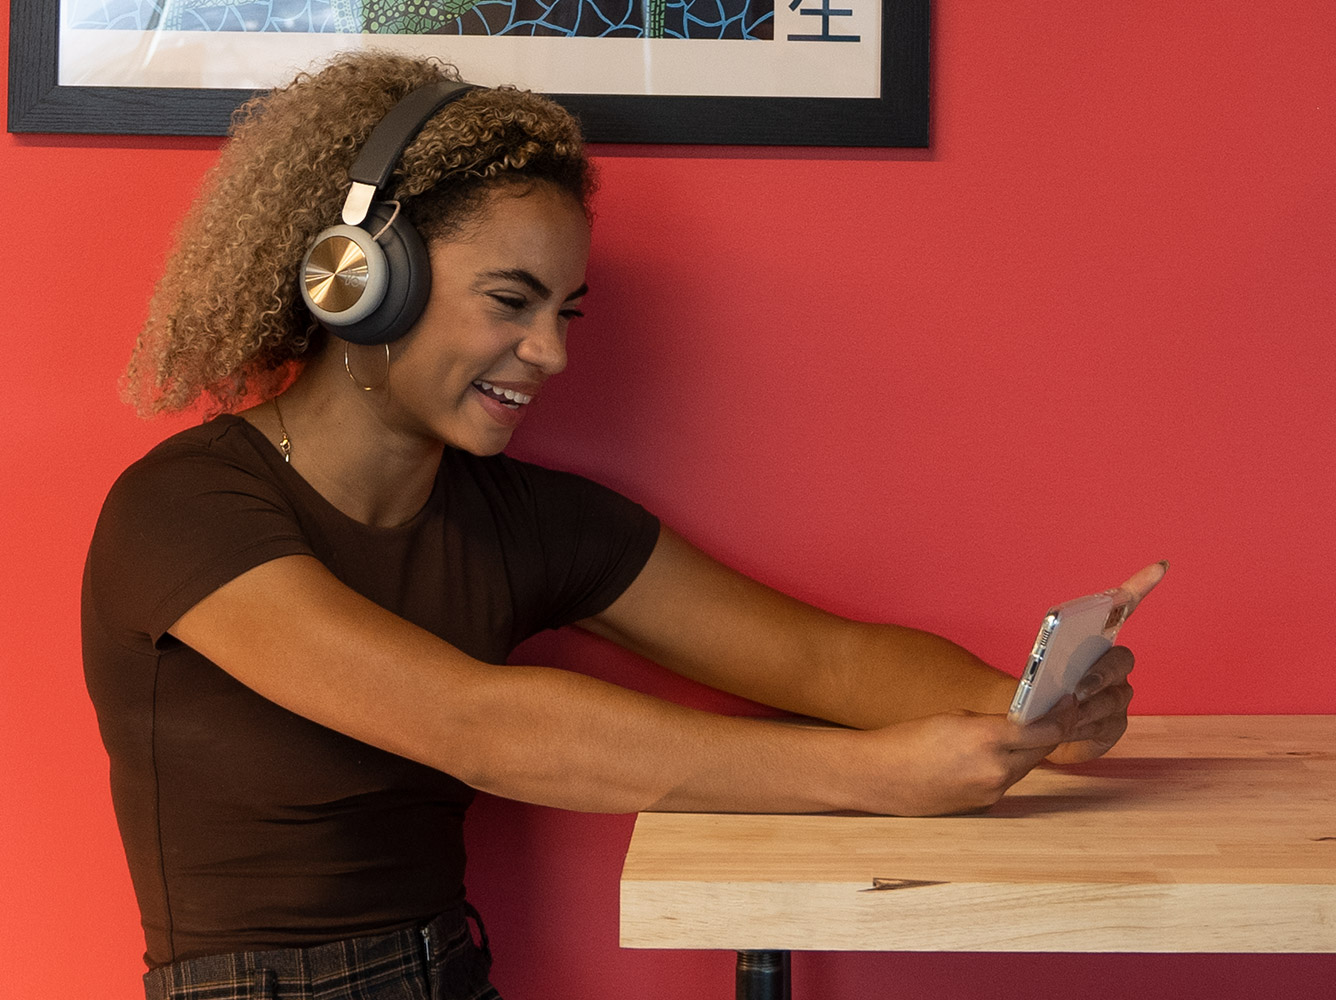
pixel 226 323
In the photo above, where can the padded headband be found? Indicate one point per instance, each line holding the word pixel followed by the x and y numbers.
pixel 376 162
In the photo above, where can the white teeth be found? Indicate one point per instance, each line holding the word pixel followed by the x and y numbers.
pixel 508 395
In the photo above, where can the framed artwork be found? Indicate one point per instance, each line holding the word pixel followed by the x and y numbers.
pixel 737 72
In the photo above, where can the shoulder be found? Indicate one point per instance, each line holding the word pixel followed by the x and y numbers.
pixel 222 455
pixel 198 509
pixel 571 543
pixel 224 442
pixel 207 485
pixel 551 509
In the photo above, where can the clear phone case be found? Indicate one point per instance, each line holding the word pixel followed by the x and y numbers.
pixel 1072 637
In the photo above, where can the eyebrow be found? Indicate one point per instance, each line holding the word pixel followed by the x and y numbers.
pixel 525 277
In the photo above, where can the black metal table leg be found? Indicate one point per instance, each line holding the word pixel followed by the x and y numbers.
pixel 763 975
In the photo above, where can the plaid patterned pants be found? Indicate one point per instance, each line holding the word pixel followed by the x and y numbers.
pixel 437 962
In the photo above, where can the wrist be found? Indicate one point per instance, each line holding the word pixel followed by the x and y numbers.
pixel 857 777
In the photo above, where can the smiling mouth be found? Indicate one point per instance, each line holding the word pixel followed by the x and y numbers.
pixel 506 397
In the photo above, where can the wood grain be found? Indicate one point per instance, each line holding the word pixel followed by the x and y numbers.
pixel 1196 834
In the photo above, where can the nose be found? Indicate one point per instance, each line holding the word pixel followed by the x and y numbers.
pixel 544 346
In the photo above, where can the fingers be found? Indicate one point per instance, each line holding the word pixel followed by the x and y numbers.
pixel 1143 582
pixel 962 762
pixel 1111 701
pixel 1109 670
pixel 1019 749
pixel 1102 724
pixel 1104 695
pixel 1030 744
pixel 1104 718
pixel 1048 730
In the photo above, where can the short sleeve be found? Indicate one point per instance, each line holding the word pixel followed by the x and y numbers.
pixel 175 527
pixel 594 543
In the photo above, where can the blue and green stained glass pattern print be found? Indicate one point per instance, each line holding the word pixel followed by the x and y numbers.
pixel 694 19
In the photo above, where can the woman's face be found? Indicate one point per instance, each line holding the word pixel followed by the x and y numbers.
pixel 503 292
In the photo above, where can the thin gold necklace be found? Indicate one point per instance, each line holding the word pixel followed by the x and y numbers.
pixel 285 443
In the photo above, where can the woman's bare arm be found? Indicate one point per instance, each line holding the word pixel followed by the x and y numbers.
pixel 292 632
pixel 703 620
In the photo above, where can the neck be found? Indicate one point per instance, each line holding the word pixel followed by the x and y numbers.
pixel 342 445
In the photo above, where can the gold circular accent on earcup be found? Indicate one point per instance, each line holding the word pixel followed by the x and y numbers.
pixel 336 274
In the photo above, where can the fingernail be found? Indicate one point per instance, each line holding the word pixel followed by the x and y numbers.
pixel 1165 564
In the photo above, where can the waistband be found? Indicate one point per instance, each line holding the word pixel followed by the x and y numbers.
pixel 351 969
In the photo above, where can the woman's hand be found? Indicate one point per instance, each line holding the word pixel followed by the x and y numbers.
pixel 962 761
pixel 1104 693
pixel 1102 698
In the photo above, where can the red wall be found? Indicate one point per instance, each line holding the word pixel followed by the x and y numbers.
pixel 1091 328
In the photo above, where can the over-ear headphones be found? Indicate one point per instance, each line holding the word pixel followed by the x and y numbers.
pixel 368 279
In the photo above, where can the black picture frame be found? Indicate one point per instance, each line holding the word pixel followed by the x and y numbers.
pixel 898 118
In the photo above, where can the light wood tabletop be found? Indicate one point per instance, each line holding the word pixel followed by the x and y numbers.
pixel 1195 834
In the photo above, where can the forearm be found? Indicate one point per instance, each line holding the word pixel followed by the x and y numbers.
pixel 562 739
pixel 875 675
pixel 852 673
pixel 567 740
pixel 707 622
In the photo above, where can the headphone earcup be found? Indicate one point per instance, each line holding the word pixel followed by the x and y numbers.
pixel 344 276
pixel 368 291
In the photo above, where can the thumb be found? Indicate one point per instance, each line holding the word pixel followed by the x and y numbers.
pixel 1141 583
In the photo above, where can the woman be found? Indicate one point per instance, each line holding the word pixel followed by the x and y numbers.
pixel 294 614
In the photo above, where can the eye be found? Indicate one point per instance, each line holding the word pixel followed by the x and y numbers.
pixel 570 314
pixel 515 302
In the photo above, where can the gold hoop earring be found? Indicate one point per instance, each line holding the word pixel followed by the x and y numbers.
pixel 353 378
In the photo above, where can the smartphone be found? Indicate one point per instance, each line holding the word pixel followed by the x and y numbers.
pixel 1071 638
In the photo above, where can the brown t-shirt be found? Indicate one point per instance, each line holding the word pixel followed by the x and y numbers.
pixel 247 826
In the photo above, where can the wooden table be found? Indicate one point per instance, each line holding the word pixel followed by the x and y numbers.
pixel 1195 834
